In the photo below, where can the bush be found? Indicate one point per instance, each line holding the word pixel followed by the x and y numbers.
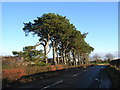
pixel 13 74
pixel 115 76
pixel 115 63
pixel 41 64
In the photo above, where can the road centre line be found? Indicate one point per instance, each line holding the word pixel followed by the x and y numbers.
pixel 79 73
pixel 52 84
pixel 59 81
pixel 75 75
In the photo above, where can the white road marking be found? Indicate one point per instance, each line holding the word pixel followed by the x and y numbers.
pixel 75 75
pixel 52 84
pixel 96 79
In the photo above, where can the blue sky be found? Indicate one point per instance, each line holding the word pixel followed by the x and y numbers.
pixel 99 19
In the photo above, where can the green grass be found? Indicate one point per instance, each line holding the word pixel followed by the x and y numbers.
pixel 115 76
pixel 105 63
pixel 6 67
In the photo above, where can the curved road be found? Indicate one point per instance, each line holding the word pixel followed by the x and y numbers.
pixel 91 77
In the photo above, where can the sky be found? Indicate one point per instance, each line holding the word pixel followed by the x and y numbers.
pixel 99 19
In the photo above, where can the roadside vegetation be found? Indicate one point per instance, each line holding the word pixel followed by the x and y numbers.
pixel 97 59
pixel 100 63
pixel 114 73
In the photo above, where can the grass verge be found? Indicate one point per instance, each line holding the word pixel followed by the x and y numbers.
pixel 105 63
pixel 115 76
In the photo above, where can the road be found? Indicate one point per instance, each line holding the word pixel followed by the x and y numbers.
pixel 91 77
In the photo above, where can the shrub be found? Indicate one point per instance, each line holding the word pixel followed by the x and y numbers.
pixel 115 63
pixel 13 74
pixel 41 64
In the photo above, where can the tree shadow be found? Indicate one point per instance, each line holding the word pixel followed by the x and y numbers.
pixel 30 78
pixel 6 83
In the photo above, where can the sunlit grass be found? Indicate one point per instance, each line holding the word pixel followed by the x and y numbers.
pixel 100 63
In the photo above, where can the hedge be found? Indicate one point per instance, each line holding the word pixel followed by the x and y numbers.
pixel 115 63
pixel 16 73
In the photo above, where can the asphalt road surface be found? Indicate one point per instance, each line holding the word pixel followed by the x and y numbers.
pixel 90 77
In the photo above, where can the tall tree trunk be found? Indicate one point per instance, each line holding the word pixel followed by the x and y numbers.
pixel 81 60
pixel 62 62
pixel 61 56
pixel 45 51
pixel 68 58
pixel 54 54
pixel 78 59
pixel 58 57
pixel 64 58
pixel 74 58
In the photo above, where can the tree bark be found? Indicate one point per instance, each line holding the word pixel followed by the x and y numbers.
pixel 64 58
pixel 45 51
pixel 46 48
pixel 78 59
pixel 68 57
pixel 54 53
pixel 58 57
pixel 74 59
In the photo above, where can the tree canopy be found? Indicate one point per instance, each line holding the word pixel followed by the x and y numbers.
pixel 57 32
pixel 29 54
